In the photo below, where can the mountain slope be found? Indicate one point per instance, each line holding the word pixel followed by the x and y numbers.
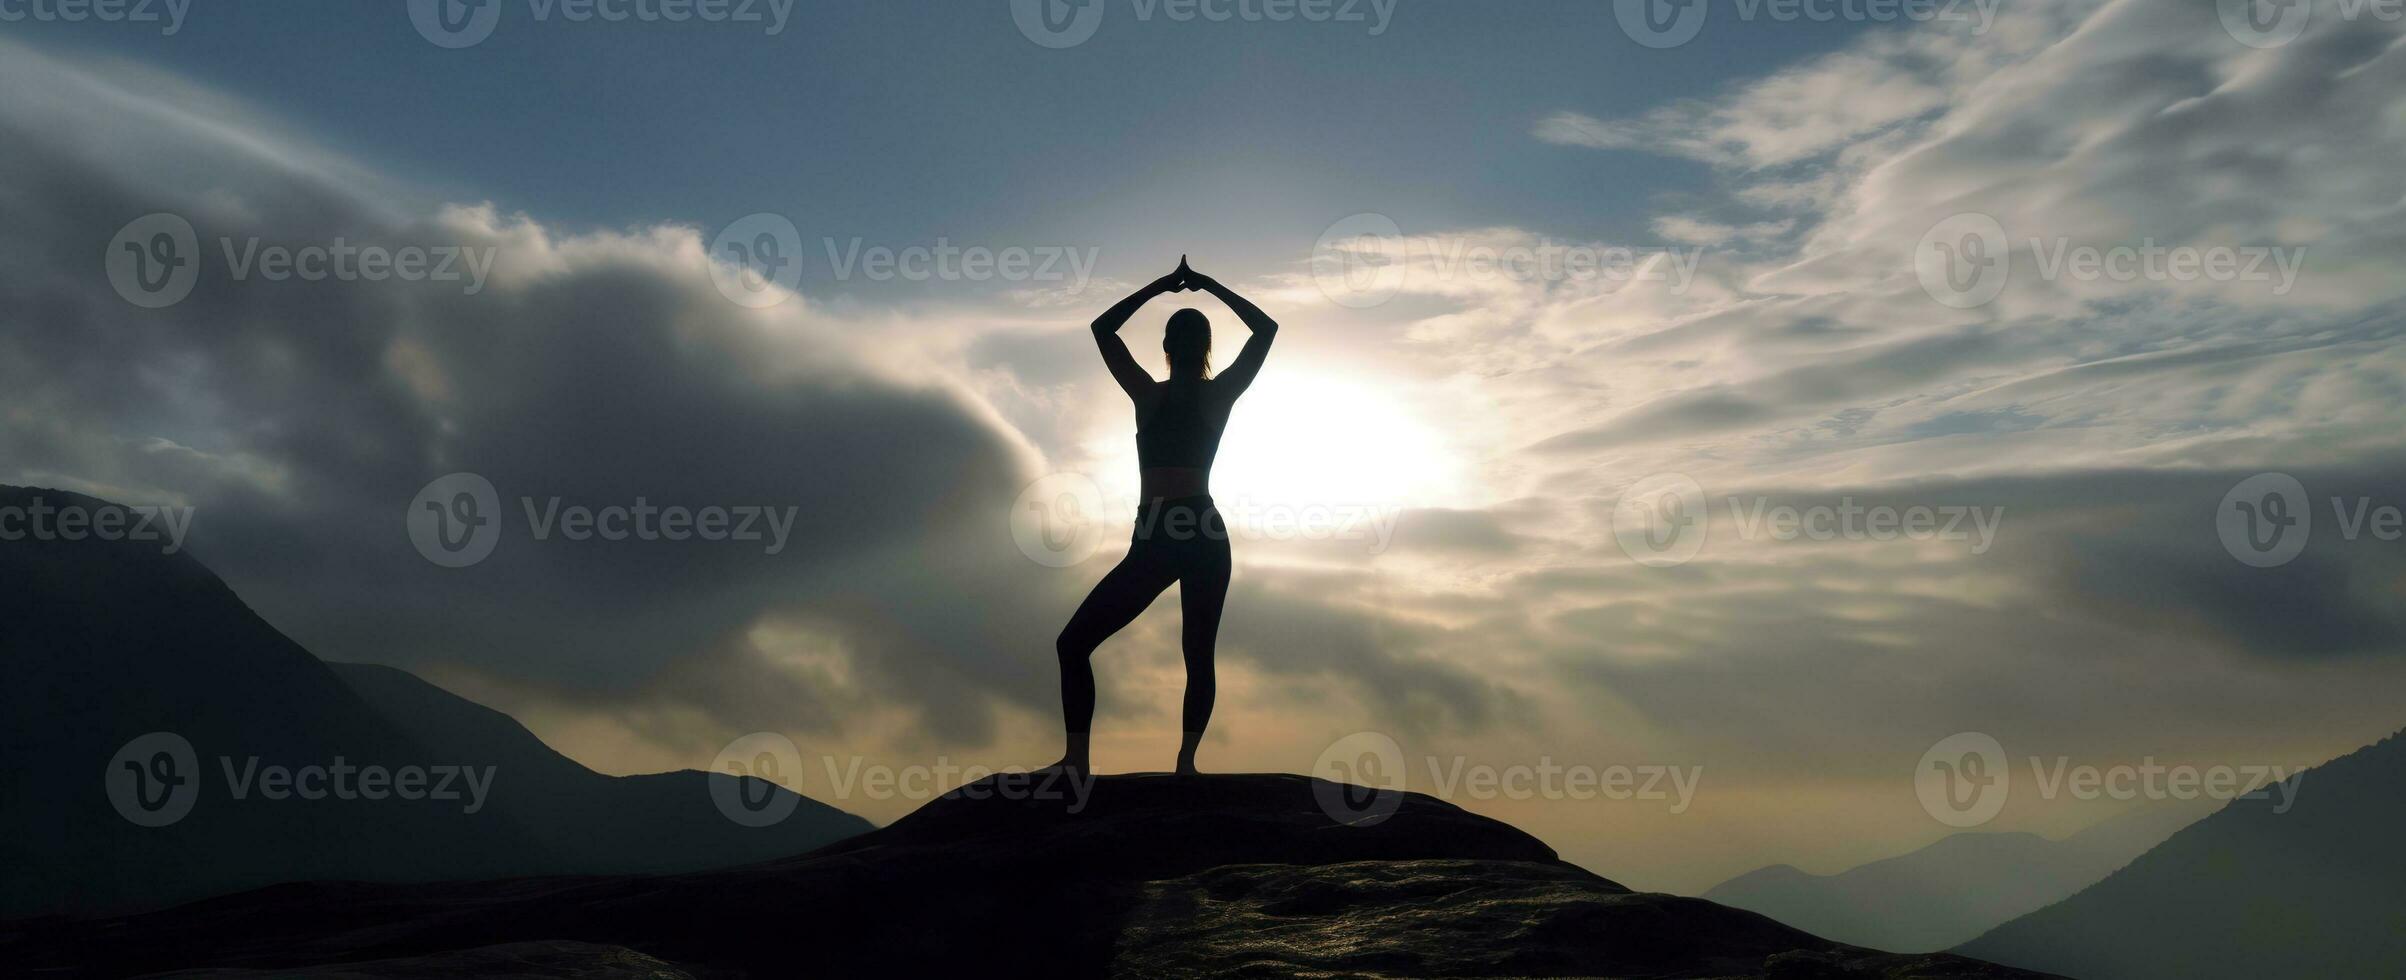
pixel 1953 889
pixel 661 822
pixel 2318 891
pixel 102 642
pixel 110 640
pixel 1141 876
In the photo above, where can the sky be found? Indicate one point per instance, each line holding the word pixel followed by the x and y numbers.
pixel 1763 399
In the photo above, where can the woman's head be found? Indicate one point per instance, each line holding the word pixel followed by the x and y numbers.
pixel 1187 342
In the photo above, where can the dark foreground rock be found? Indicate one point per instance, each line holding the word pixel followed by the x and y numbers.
pixel 1144 876
pixel 584 961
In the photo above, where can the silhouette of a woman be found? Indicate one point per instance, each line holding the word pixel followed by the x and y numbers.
pixel 1179 536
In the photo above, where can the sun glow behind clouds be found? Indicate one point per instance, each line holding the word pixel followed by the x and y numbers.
pixel 1310 438
pixel 1303 438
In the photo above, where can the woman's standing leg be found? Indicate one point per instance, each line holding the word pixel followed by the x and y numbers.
pixel 1202 593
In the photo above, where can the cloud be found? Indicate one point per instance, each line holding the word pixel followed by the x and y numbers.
pixel 2135 125
pixel 593 369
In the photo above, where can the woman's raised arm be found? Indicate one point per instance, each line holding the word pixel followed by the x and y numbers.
pixel 1239 375
pixel 1132 379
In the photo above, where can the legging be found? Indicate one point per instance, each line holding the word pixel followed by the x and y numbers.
pixel 1180 541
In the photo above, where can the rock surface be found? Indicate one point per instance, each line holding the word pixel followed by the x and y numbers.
pixel 583 961
pixel 1142 876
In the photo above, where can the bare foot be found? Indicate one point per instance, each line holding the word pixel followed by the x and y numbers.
pixel 1073 768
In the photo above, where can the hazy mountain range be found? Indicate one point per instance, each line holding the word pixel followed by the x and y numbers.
pixel 2317 891
pixel 108 641
pixel 1954 889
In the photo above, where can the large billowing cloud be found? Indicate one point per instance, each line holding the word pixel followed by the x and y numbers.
pixel 2103 417
pixel 591 368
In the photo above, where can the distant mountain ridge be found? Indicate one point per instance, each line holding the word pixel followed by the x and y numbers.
pixel 2318 891
pixel 1952 890
pixel 653 823
pixel 108 640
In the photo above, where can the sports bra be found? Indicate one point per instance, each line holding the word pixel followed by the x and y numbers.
pixel 1183 431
